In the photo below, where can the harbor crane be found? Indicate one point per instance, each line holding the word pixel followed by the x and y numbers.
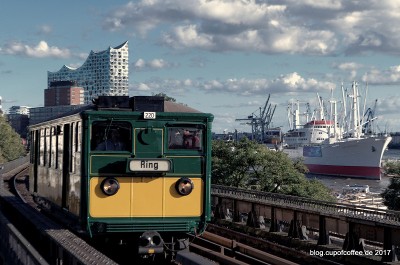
pixel 260 123
pixel 369 116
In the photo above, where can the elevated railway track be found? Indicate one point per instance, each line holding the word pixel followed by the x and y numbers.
pixel 28 237
pixel 35 239
pixel 31 238
pixel 357 226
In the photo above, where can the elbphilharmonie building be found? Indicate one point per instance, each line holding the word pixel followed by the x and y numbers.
pixel 104 73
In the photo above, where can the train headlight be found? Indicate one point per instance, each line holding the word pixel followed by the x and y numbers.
pixel 109 186
pixel 184 186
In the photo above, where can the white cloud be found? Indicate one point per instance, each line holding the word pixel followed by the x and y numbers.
pixel 158 64
pixel 326 27
pixel 222 25
pixel 155 64
pixel 350 69
pixel 383 77
pixel 140 64
pixel 42 49
pixel 284 84
pixel 168 86
pixel 188 37
pixel 321 4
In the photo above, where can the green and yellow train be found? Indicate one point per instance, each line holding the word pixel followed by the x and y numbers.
pixel 127 168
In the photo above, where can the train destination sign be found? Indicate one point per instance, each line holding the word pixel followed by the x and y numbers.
pixel 150 165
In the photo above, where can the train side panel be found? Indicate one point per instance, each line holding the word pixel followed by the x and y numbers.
pixel 55 162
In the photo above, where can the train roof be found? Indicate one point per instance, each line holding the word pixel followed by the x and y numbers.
pixel 119 104
pixel 177 107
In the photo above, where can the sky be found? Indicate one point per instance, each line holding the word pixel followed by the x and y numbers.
pixel 224 57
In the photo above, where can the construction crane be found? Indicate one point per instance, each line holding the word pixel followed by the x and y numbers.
pixel 260 123
pixel 369 117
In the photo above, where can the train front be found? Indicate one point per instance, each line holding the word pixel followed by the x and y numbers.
pixel 148 175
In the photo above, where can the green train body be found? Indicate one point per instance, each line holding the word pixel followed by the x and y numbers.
pixel 127 167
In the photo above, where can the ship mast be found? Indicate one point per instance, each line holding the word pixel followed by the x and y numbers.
pixel 355 113
pixel 334 118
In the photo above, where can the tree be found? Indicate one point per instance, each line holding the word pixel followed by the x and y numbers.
pixel 11 146
pixel 230 164
pixel 246 162
pixel 391 195
pixel 166 98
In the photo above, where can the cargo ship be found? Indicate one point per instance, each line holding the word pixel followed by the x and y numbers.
pixel 337 144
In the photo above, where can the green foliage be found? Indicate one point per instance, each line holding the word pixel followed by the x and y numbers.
pixel 11 146
pixel 391 195
pixel 230 164
pixel 166 98
pixel 245 163
pixel 392 168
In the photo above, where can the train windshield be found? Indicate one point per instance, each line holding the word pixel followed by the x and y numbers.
pixel 111 136
pixel 185 137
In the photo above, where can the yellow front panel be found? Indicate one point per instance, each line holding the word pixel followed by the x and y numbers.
pixel 190 205
pixel 146 197
pixel 117 205
pixel 157 197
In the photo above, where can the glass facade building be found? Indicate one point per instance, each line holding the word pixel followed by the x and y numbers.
pixel 104 73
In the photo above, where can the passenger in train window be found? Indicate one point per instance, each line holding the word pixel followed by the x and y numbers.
pixel 112 143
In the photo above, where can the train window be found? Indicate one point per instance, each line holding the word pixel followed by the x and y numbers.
pixel 111 136
pixel 48 146
pixel 53 149
pixel 72 148
pixel 185 138
pixel 78 144
pixel 41 148
pixel 78 137
pixel 60 146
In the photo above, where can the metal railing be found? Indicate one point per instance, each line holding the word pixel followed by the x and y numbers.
pixel 14 248
pixel 309 205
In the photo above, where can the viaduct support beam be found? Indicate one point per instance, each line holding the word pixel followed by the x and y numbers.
pixel 252 219
pixel 275 226
pixel 323 238
pixel 295 229
pixel 220 211
pixel 236 214
pixel 352 241
pixel 388 253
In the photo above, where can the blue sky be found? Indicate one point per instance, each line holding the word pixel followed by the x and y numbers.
pixel 218 56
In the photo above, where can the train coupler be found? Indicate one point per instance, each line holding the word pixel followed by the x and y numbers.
pixel 150 242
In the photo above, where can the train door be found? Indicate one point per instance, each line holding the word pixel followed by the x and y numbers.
pixel 66 166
